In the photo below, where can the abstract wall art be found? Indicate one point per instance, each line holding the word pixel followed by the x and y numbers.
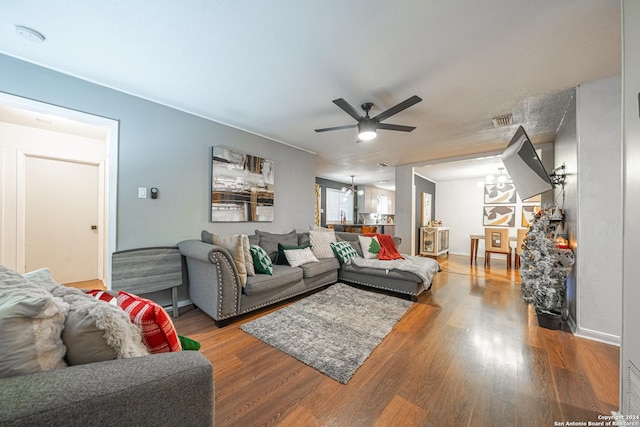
pixel 242 186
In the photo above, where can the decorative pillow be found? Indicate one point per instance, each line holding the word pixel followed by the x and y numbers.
pixel 281 258
pixel 103 296
pixel 158 332
pixel 344 251
pixel 269 241
pixel 235 247
pixel 261 260
pixel 248 259
pixel 370 246
pixel 188 343
pixel 93 331
pixel 297 257
pixel 32 320
pixel 320 243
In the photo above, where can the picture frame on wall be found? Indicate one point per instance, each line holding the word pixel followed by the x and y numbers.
pixel 242 186
pixel 426 209
pixel 504 193
pixel 499 216
pixel 528 212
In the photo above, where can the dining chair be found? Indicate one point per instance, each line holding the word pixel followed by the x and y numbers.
pixel 496 241
pixel 522 232
pixel 366 229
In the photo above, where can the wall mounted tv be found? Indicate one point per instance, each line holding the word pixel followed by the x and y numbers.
pixel 524 166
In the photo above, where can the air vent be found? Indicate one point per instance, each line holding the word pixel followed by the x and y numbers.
pixel 383 165
pixel 502 121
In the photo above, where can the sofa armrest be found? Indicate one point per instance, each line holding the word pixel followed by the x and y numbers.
pixel 214 284
pixel 161 389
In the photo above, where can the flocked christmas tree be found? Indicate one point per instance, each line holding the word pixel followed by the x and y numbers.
pixel 543 275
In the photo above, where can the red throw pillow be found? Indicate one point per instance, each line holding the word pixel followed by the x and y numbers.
pixel 158 333
pixel 102 296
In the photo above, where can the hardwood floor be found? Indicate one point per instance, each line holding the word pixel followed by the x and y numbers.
pixel 468 353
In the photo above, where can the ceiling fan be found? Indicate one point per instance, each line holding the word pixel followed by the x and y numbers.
pixel 367 126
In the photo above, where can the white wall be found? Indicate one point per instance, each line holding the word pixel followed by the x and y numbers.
pixel 599 260
pixel 459 206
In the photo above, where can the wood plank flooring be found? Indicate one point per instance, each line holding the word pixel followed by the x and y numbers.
pixel 468 353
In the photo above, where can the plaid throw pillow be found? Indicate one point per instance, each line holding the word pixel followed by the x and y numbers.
pixel 158 333
pixel 344 251
pixel 261 260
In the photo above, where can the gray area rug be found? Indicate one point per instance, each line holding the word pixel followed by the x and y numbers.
pixel 333 331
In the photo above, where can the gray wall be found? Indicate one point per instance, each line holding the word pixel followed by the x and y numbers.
pixel 630 355
pixel 566 151
pixel 169 149
pixel 422 185
pixel 166 148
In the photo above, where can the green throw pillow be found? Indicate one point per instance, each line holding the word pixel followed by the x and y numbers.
pixel 344 251
pixel 188 343
pixel 261 261
pixel 281 259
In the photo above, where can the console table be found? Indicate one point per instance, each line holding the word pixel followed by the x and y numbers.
pixel 434 241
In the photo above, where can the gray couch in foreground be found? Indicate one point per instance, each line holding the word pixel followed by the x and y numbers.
pixel 169 389
pixel 214 286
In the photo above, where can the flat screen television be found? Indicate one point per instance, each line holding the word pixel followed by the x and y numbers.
pixel 524 166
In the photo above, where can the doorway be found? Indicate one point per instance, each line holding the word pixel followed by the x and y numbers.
pixel 63 166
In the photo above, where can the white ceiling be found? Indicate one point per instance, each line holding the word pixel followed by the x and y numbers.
pixel 273 67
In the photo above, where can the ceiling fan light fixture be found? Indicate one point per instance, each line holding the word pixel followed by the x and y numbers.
pixel 366 130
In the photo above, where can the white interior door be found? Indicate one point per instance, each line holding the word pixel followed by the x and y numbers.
pixel 61 211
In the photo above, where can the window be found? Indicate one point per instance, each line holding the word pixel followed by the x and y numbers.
pixel 339 203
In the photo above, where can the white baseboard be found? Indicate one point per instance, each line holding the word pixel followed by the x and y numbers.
pixel 598 336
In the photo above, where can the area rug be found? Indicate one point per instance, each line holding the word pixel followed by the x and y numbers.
pixel 334 331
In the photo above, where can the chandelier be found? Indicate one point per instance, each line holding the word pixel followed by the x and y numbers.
pixel 348 191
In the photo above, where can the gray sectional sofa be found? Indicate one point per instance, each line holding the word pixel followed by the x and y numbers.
pixel 160 389
pixel 215 288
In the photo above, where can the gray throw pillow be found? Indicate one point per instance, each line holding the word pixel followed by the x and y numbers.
pixel 269 241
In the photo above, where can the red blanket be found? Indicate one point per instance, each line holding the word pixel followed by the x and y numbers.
pixel 388 249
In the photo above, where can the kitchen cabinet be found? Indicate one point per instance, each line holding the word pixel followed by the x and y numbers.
pixel 376 200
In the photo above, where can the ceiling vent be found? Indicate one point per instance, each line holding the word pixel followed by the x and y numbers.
pixel 502 121
pixel 383 165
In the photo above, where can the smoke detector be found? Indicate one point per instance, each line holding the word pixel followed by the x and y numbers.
pixel 29 34
pixel 502 121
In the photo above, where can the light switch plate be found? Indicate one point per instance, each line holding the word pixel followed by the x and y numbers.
pixel 142 192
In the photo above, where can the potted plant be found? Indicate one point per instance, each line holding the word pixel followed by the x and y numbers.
pixel 544 271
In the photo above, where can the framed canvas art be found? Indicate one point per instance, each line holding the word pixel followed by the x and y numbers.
pixel 426 209
pixel 242 186
pixel 499 193
pixel 499 216
pixel 528 213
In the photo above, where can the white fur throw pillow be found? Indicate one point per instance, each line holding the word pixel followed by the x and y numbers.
pixel 94 330
pixel 32 321
pixel 320 243
pixel 297 257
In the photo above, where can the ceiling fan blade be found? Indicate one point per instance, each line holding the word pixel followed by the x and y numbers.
pixel 401 128
pixel 336 128
pixel 396 109
pixel 348 108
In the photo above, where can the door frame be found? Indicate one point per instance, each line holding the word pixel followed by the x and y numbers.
pixel 108 174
